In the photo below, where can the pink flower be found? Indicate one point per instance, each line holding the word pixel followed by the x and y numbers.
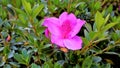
pixel 62 31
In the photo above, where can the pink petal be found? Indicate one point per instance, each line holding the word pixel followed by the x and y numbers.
pixel 74 43
pixel 72 18
pixel 63 17
pixel 57 40
pixel 51 20
pixel 47 33
pixel 53 25
pixel 77 27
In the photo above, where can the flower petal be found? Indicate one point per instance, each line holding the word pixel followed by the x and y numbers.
pixel 47 33
pixel 72 18
pixel 53 25
pixel 63 17
pixel 51 20
pixel 57 40
pixel 77 27
pixel 74 43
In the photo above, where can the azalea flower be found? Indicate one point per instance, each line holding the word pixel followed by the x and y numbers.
pixel 62 31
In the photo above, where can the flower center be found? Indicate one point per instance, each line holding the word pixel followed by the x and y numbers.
pixel 65 29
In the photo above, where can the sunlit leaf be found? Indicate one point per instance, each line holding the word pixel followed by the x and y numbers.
pixel 99 20
pixel 27 6
pixel 108 26
pixel 36 10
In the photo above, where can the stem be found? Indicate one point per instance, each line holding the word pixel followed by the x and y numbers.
pixel 34 29
pixel 4 41
pixel 108 48
pixel 86 48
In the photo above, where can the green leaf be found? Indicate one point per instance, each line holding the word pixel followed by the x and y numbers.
pixel 15 64
pixel 95 27
pixel 1 48
pixel 23 58
pixel 97 59
pixel 11 54
pixel 88 26
pixel 1 22
pixel 16 3
pixel 23 19
pixel 47 45
pixel 36 10
pixel 116 36
pixel 7 24
pixel 7 66
pixel 26 6
pixel 57 65
pixel 92 34
pixel 25 55
pixel 106 19
pixel 40 29
pixel 87 62
pixel 34 66
pixel 118 33
pixel 106 65
pixel 86 42
pixel 18 57
pixel 110 9
pixel 20 11
pixel 99 20
pixel 5 2
pixel 48 64
pixel 86 35
pixel 2 63
pixel 6 50
pixel 77 66
pixel 56 2
pixel 108 26
pixel 112 53
pixel 97 5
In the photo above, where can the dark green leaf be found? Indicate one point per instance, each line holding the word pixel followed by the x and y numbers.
pixel 19 58
pixel 97 59
pixel 34 66
pixel 14 64
pixel 88 26
pixel 57 65
pixel 87 62
pixel 48 64
pixel 2 63
pixel 7 66
pixel 77 66
pixel 1 48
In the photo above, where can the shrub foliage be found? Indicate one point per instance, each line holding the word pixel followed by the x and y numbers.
pixel 24 45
